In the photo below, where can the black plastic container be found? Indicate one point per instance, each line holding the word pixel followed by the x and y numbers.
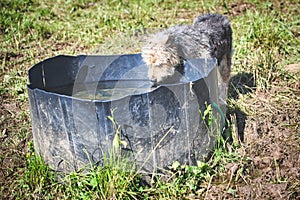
pixel 71 99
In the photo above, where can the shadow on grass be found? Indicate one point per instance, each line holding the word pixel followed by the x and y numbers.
pixel 242 83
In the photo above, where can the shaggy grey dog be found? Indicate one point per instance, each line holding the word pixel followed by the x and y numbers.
pixel 209 37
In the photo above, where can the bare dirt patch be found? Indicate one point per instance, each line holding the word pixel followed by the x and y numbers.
pixel 272 140
pixel 272 144
pixel 271 126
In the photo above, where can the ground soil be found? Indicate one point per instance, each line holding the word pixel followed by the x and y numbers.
pixel 272 146
pixel 271 132
pixel 271 142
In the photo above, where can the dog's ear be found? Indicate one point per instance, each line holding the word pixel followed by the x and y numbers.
pixel 171 40
pixel 159 38
pixel 164 38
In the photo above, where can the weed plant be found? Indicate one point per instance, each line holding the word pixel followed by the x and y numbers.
pixel 118 178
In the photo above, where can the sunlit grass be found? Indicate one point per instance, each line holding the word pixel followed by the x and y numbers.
pixel 266 38
pixel 265 45
pixel 118 178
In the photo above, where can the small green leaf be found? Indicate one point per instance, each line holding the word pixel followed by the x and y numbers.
pixel 124 143
pixel 116 141
pixel 110 118
pixel 231 191
pixel 94 182
pixel 175 165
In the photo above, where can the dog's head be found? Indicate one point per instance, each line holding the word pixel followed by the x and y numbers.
pixel 161 58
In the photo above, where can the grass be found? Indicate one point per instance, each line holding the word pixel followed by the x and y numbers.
pixel 266 39
pixel 274 41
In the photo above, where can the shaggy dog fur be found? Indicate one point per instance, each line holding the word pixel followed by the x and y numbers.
pixel 210 36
